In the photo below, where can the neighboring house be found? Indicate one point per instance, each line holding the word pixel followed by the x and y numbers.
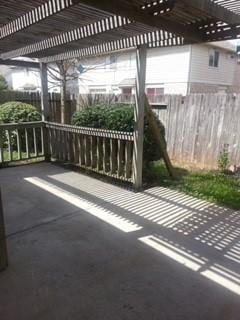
pixel 23 79
pixel 198 68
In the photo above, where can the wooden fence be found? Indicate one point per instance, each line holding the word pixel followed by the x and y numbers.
pixel 21 142
pixel 199 125
pixel 34 98
pixel 104 151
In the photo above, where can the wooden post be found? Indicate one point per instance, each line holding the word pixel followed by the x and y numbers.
pixel 45 108
pixel 3 245
pixel 141 60
pixel 44 92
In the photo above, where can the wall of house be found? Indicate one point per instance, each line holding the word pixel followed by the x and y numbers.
pixel 204 78
pixel 17 78
pixel 167 68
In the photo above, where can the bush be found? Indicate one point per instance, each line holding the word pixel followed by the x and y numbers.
pixel 121 118
pixel 223 159
pixel 15 112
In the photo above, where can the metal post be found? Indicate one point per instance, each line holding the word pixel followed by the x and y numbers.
pixel 141 61
pixel 44 92
pixel 3 245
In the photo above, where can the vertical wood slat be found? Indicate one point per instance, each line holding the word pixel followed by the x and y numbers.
pixel 1 146
pixel 35 147
pixel 27 143
pixel 3 244
pixel 120 157
pixel 75 148
pixel 9 145
pixel 44 147
pixel 105 161
pixel 81 150
pixel 99 154
pixel 94 152
pixel 128 159
pixel 19 151
pixel 87 150
pixel 113 156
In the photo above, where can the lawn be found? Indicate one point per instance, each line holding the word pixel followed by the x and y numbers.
pixel 212 186
pixel 15 156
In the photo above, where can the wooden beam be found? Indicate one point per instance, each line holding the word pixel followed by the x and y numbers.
pixel 84 32
pixel 212 9
pixel 141 61
pixel 3 245
pixel 154 39
pixel 135 13
pixel 44 92
pixel 34 16
pixel 20 63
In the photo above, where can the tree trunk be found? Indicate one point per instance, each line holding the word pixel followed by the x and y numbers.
pixel 64 111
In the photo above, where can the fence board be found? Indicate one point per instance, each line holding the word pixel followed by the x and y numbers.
pixel 199 125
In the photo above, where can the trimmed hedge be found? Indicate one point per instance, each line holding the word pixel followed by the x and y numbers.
pixel 119 117
pixel 15 112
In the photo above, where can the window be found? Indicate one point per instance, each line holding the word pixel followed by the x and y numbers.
pixel 97 91
pixel 127 91
pixel 113 60
pixel 152 92
pixel 214 58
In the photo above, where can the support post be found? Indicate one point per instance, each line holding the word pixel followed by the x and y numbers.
pixel 3 245
pixel 45 107
pixel 44 92
pixel 141 61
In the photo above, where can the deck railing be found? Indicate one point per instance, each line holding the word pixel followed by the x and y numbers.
pixel 21 142
pixel 107 152
pixel 104 151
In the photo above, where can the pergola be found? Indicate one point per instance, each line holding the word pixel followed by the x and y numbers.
pixel 57 30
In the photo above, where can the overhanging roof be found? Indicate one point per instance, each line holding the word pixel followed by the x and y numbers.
pixel 60 29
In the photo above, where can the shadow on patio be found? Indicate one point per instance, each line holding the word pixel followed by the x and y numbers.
pixel 158 254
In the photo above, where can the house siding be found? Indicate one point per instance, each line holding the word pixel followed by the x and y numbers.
pixel 163 70
pixel 202 73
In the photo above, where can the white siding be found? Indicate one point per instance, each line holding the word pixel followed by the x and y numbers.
pixel 166 67
pixel 202 73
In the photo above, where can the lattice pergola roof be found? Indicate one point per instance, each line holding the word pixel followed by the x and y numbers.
pixel 60 29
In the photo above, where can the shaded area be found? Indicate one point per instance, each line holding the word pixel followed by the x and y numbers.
pixel 82 248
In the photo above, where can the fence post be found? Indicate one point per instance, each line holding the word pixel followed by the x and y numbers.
pixel 3 245
pixel 139 116
pixel 44 92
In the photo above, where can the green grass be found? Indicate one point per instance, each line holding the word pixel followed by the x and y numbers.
pixel 212 186
pixel 15 156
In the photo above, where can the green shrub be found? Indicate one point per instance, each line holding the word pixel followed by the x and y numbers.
pixel 223 159
pixel 121 118
pixel 15 112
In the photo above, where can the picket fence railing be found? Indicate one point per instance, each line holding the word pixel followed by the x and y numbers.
pixel 104 151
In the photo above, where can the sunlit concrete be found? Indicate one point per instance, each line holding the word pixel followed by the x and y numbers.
pixel 80 248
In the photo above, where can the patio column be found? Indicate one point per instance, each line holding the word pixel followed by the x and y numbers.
pixel 141 61
pixel 44 92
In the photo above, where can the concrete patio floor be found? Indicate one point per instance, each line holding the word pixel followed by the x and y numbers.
pixel 80 248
